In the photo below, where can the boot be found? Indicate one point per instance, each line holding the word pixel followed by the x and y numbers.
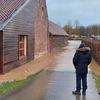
pixel 84 93
pixel 76 92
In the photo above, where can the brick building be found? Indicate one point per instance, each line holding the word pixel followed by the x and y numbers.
pixel 57 36
pixel 23 32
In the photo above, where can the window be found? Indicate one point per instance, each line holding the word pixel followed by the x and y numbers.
pixel 22 46
pixel 42 12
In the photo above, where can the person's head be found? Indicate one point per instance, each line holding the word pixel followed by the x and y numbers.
pixel 82 48
pixel 82 45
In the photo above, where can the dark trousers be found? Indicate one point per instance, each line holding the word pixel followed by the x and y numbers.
pixel 81 78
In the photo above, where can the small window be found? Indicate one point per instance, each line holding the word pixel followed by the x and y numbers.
pixel 42 12
pixel 22 46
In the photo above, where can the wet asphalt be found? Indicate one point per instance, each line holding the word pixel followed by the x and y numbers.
pixel 58 81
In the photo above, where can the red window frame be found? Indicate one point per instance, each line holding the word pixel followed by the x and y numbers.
pixel 22 46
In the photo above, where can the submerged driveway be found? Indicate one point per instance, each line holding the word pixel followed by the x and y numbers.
pixel 58 81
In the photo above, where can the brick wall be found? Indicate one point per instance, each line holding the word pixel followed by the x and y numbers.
pixel 41 30
pixel 1 52
pixel 57 41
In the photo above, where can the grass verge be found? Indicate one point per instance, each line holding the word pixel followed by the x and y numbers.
pixel 97 80
pixel 10 86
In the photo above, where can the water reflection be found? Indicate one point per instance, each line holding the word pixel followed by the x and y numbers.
pixel 79 97
pixel 84 98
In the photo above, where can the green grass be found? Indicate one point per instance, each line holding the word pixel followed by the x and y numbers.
pixel 10 86
pixel 97 80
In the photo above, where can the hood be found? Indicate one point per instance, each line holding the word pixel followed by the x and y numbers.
pixel 84 49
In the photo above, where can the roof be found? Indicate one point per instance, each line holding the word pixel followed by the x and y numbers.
pixel 8 7
pixel 54 29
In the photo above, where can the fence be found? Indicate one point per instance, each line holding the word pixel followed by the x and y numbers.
pixel 95 49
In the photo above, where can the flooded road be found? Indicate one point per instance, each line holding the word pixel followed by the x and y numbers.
pixel 58 81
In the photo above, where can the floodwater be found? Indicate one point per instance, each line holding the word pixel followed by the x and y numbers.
pixel 58 81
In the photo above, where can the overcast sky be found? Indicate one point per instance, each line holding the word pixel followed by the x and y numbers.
pixel 86 11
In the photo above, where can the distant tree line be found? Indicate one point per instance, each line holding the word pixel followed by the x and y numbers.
pixel 93 29
pixel 83 31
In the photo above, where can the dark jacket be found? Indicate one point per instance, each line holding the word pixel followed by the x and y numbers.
pixel 81 60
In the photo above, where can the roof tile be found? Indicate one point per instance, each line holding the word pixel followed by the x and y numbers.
pixel 8 7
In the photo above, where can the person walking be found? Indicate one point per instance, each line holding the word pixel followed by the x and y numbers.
pixel 81 60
